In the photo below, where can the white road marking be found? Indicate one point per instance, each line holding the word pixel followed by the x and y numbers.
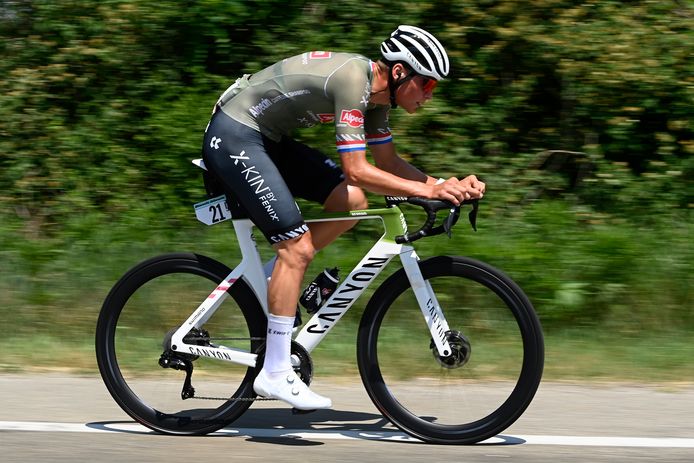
pixel 594 441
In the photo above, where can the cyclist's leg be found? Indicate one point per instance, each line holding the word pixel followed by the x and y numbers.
pixel 293 258
pixel 344 197
pixel 312 175
pixel 237 156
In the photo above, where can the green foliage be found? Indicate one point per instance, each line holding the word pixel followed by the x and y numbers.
pixel 104 94
pixel 578 115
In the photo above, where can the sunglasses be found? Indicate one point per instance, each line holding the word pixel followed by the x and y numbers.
pixel 429 84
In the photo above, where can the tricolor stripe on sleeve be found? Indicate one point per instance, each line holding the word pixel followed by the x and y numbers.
pixel 379 139
pixel 347 143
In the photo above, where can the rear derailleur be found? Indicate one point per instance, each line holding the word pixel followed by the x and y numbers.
pixel 180 361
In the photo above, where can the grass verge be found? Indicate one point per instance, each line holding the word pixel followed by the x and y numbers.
pixel 572 356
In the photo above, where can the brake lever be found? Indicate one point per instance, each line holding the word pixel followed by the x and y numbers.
pixel 451 220
pixel 472 216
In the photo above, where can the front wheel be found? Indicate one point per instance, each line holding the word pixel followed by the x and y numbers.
pixel 492 374
pixel 175 392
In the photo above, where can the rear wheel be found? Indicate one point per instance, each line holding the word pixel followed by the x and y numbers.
pixel 165 390
pixel 488 380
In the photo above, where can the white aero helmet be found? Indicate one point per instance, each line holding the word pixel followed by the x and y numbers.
pixel 418 49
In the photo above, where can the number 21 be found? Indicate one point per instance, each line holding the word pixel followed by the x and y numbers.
pixel 215 210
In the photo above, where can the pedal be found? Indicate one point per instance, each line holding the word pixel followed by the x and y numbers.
pixel 296 411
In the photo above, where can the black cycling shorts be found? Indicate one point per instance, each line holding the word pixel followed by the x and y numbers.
pixel 264 176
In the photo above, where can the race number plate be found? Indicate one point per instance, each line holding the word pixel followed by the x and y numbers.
pixel 213 211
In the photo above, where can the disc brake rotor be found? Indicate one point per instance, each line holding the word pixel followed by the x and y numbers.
pixel 461 350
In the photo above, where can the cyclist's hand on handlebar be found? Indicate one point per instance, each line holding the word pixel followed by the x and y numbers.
pixel 475 187
pixel 457 191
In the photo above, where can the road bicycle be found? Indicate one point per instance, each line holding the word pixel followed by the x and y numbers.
pixel 449 349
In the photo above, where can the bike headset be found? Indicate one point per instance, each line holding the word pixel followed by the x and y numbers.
pixel 419 51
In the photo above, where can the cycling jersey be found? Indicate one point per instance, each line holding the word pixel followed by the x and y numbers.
pixel 248 148
pixel 313 88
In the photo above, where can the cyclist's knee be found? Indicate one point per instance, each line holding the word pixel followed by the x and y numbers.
pixel 297 252
pixel 356 198
pixel 346 198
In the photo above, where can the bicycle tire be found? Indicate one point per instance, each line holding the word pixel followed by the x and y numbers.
pixel 153 401
pixel 496 303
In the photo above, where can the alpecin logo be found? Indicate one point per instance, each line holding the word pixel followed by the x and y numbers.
pixel 259 109
pixel 353 117
pixel 326 118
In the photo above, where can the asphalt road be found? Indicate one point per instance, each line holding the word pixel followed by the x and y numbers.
pixel 61 418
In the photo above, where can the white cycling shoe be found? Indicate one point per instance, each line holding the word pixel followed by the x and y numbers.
pixel 290 389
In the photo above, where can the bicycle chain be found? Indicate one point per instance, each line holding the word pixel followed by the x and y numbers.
pixel 223 339
pixel 237 399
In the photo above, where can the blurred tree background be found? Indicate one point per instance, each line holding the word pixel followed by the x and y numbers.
pixel 578 115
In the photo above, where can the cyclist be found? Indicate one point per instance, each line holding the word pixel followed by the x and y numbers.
pixel 248 147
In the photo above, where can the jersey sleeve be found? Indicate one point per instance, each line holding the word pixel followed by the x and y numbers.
pixel 377 129
pixel 350 88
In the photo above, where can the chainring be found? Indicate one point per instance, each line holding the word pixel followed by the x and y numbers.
pixel 301 361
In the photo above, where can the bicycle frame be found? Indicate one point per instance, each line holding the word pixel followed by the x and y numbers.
pixel 250 269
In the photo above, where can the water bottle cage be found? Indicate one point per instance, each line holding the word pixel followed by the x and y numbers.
pixel 319 291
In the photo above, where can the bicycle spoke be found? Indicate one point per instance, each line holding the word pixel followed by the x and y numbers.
pixel 494 368
pixel 183 392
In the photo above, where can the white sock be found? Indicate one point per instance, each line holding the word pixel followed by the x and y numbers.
pixel 278 345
